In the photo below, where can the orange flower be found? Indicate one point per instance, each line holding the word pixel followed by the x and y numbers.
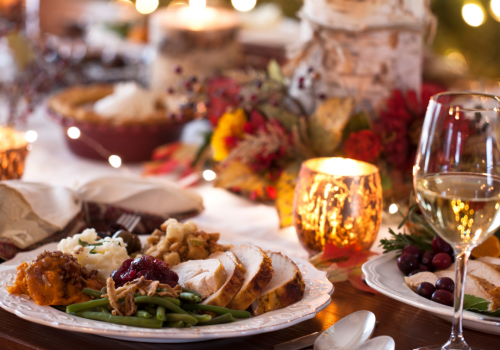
pixel 228 132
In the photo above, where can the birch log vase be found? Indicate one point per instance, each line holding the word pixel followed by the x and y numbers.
pixel 200 41
pixel 359 48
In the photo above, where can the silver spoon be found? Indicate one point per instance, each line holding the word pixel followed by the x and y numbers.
pixel 348 333
pixel 383 342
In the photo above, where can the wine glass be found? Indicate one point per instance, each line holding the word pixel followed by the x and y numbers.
pixel 457 181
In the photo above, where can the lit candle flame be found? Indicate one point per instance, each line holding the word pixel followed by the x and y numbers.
pixel 197 4
pixel 11 139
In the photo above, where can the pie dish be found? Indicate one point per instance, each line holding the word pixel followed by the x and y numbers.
pixel 132 137
pixel 316 298
pixel 383 275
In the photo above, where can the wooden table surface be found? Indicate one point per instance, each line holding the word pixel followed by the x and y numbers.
pixel 410 328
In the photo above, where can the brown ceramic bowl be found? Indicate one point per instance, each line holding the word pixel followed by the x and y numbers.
pixel 133 143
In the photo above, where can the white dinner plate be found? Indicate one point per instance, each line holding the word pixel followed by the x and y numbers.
pixel 316 298
pixel 383 275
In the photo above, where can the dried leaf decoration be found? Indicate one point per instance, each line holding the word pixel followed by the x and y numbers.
pixel 327 123
pixel 238 177
pixel 274 72
pixel 343 264
pixel 285 188
pixel 287 119
pixel 175 157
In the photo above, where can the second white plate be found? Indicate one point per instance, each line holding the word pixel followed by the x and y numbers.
pixel 383 275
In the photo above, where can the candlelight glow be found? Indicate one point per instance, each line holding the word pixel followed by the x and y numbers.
pixel 13 151
pixel 495 9
pixel 337 201
pixel 473 14
pixel 11 139
pixel 197 14
pixel 31 136
pixel 115 161
pixel 74 132
pixel 197 4
pixel 244 5
pixel 146 7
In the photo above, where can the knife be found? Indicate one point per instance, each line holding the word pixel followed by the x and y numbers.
pixel 299 343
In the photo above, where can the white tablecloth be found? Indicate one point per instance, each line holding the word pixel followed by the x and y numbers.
pixel 237 219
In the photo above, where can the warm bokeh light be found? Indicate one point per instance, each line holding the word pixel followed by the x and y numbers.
pixel 473 14
pixel 146 6
pixel 125 2
pixel 115 161
pixel 244 5
pixel 495 9
pixel 31 136
pixel 74 132
pixel 393 208
pixel 178 3
pixel 197 4
pixel 209 175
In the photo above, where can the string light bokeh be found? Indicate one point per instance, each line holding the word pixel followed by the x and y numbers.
pixel 473 14
pixel 244 5
pixel 146 7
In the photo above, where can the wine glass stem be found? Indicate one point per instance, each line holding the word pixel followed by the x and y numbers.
pixel 456 340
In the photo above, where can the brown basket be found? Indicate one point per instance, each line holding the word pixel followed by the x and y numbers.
pixel 134 143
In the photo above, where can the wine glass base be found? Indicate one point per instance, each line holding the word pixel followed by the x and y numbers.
pixel 438 347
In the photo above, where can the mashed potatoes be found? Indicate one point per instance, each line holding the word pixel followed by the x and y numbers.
pixel 104 255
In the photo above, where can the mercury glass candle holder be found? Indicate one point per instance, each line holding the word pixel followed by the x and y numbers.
pixel 337 201
pixel 13 152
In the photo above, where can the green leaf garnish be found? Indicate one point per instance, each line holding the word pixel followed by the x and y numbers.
pixel 479 305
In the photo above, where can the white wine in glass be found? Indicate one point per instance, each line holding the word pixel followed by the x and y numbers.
pixel 462 207
pixel 457 182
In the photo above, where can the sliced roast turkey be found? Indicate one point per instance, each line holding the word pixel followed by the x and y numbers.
pixel 203 276
pixel 234 279
pixel 258 273
pixel 286 286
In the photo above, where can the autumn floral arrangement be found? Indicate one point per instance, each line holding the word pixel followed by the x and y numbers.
pixel 261 134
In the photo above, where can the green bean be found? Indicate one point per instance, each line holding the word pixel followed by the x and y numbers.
pixel 173 300
pixel 190 297
pixel 87 305
pixel 187 290
pixel 160 313
pixel 103 309
pixel 200 318
pixel 218 320
pixel 125 320
pixel 178 324
pixel 143 314
pixel 187 319
pixel 92 293
pixel 216 310
pixel 151 310
pixel 104 289
pixel 160 301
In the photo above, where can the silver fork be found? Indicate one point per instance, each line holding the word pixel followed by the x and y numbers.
pixel 130 221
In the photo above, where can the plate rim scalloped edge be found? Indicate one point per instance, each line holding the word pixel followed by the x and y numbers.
pixel 67 322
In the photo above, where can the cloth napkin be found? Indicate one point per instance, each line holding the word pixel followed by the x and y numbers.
pixel 31 212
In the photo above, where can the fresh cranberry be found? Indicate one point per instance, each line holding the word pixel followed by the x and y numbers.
pixel 152 269
pixel 427 260
pixel 440 246
pixel 412 250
